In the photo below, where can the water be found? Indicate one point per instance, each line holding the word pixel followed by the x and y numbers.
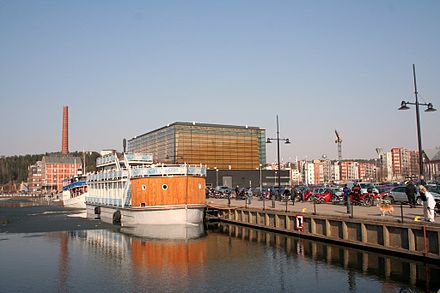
pixel 227 258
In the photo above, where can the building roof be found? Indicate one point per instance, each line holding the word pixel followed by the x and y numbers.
pixel 61 159
pixel 200 124
pixel 433 154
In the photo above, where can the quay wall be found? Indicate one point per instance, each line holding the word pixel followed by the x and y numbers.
pixel 411 239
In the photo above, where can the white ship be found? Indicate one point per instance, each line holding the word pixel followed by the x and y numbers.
pixel 131 190
pixel 74 192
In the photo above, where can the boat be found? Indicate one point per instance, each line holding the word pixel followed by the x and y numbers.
pixel 129 189
pixel 74 192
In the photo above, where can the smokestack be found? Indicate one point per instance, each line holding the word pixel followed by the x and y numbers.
pixel 65 136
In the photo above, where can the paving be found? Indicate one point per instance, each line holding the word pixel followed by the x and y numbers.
pixel 410 215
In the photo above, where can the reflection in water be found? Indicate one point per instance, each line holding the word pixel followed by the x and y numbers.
pixel 353 261
pixel 223 259
pixel 162 232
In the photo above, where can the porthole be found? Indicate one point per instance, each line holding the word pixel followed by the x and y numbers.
pixel 200 186
pixel 144 187
pixel 164 187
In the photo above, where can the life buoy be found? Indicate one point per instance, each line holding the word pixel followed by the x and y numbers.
pixel 299 222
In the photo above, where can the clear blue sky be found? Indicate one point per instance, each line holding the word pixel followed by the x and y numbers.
pixel 128 67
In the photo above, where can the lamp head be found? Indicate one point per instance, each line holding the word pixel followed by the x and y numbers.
pixel 268 140
pixel 430 108
pixel 403 106
pixel 287 141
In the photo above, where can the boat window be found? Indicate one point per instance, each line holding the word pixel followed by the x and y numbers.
pixel 144 187
pixel 164 187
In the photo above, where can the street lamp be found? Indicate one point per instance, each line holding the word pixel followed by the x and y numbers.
pixel 216 176
pixel 278 139
pixel 430 108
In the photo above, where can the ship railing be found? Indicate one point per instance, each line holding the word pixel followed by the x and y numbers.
pixel 168 171
pixel 104 201
pixel 132 158
pixel 107 175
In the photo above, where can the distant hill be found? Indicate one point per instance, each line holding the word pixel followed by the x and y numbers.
pixel 15 168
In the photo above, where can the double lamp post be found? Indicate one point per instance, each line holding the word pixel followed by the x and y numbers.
pixel 430 108
pixel 286 141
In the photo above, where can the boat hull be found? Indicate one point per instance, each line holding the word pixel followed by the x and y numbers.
pixel 155 215
pixel 75 202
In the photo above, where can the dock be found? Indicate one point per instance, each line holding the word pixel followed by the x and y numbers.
pixel 404 232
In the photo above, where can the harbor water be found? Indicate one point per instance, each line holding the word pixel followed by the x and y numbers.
pixel 221 258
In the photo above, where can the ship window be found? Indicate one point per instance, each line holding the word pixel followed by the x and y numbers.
pixel 144 187
pixel 164 187
pixel 200 186
pixel 142 204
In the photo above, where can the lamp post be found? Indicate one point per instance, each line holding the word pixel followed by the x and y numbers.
pixel 430 108
pixel 216 176
pixel 278 139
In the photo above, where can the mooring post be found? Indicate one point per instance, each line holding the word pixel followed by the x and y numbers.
pixel 351 210
pixel 264 203
pixel 229 200
pixel 314 207
pixel 287 201
pixel 401 212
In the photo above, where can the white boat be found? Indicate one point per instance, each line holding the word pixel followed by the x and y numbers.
pixel 74 193
pixel 131 190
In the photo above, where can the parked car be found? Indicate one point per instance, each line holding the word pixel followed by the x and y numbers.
pixel 223 189
pixel 397 194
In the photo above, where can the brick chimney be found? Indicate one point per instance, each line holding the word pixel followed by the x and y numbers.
pixel 65 137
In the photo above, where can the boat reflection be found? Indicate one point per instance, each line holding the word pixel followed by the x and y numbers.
pixel 165 232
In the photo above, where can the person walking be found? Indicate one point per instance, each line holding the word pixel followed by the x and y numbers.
pixel 411 191
pixel 346 192
pixel 428 204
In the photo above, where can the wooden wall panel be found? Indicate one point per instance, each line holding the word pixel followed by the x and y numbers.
pixel 181 190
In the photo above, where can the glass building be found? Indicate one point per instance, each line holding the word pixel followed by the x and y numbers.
pixel 217 146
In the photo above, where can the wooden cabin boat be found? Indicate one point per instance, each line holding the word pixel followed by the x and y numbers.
pixel 131 190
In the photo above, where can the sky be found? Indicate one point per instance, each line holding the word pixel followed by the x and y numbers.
pixel 125 68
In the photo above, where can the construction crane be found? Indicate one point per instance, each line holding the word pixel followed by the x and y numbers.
pixel 339 142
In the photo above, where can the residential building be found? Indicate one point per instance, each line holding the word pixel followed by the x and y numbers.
pixel 35 177
pixel 432 164
pixel 55 168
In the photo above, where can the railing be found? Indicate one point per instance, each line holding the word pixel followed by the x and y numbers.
pixel 134 158
pixel 168 171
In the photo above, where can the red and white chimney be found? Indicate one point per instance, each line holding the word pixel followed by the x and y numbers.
pixel 65 135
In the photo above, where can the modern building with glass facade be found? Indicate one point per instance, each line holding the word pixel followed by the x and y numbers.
pixel 218 146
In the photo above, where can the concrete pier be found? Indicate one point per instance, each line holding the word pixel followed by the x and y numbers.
pixel 416 239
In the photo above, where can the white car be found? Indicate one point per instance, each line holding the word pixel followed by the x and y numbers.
pixel 397 194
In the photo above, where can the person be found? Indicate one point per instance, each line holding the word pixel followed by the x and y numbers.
pixel 428 204
pixel 249 195
pixel 286 193
pixel 411 191
pixel 346 192
pixel 424 202
pixel 237 191
pixel 356 192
